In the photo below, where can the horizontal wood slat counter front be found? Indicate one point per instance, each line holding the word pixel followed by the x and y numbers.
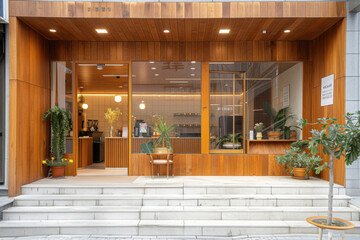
pixel 268 146
pixel 116 152
pixel 180 145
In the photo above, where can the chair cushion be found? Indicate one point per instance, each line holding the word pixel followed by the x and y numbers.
pixel 161 161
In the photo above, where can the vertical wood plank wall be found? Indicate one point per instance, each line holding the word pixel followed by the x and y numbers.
pixel 116 152
pixel 29 93
pixel 327 53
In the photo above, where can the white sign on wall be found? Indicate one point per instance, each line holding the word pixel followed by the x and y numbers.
pixel 286 96
pixel 327 90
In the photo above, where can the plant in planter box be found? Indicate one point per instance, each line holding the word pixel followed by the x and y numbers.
pixel 162 143
pixel 278 120
pixel 59 121
pixel 290 132
pixel 299 163
pixel 336 141
pixel 230 141
pixel 259 127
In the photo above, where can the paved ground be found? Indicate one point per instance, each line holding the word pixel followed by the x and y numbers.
pixel 97 237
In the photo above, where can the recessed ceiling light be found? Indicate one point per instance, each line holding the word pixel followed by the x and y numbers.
pixel 192 68
pixel 263 31
pixel 151 62
pixel 81 87
pixel 153 68
pixel 52 30
pixel 101 30
pixel 224 31
pixel 166 31
pixel 156 74
pixel 287 31
pixel 193 61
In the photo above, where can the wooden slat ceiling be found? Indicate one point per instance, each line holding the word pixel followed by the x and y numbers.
pixel 181 29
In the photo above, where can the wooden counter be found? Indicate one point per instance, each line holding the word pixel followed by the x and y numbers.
pixel 116 152
pixel 179 145
pixel 85 151
pixel 269 146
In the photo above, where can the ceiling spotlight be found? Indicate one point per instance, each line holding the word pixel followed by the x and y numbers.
pixel 81 87
pixel 52 30
pixel 101 30
pixel 152 62
pixel 142 105
pixel 224 31
pixel 117 98
pixel 193 61
pixel 156 74
pixel 166 31
pixel 85 106
pixel 287 31
pixel 263 31
pixel 153 68
pixel 192 68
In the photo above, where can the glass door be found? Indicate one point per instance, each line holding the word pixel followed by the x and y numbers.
pixel 227 112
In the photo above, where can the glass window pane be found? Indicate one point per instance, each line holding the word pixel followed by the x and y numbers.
pixel 170 90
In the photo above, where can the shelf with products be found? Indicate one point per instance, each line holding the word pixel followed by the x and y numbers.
pixel 188 125
pixel 187 115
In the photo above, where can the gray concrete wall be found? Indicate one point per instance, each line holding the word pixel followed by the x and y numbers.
pixel 352 91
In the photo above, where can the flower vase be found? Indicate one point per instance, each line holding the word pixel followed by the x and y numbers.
pixel 259 136
pixel 111 130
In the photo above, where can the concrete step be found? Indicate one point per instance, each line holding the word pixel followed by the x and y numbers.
pixel 174 213
pixel 47 189
pixel 158 227
pixel 180 200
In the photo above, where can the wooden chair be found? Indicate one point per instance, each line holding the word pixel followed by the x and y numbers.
pixel 162 159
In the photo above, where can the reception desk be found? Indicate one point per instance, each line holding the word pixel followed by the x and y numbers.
pixel 179 145
pixel 116 152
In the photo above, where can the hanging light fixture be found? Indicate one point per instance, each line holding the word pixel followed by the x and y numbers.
pixel 142 105
pixel 117 98
pixel 85 106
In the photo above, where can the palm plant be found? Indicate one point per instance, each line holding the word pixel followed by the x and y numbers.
pixel 277 118
pixel 163 140
pixel 60 126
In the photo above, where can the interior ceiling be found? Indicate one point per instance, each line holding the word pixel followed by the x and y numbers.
pixel 180 29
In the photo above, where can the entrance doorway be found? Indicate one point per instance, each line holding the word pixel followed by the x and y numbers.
pixel 102 118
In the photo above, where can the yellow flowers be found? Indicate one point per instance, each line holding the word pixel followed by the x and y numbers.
pixel 43 162
pixel 71 161
pixel 112 115
pixel 52 158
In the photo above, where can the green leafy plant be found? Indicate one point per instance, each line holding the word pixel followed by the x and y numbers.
pixel 259 127
pixel 163 140
pixel 229 139
pixel 147 147
pixel 278 118
pixel 59 121
pixel 337 140
pixel 297 157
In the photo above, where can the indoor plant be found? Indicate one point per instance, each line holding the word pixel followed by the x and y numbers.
pixel 112 116
pixel 259 127
pixel 337 140
pixel 290 132
pixel 299 163
pixel 278 120
pixel 230 141
pixel 162 143
pixel 60 127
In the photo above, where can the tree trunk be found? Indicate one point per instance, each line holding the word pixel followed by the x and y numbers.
pixel 331 189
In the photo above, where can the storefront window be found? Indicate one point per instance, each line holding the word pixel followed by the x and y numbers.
pixel 171 91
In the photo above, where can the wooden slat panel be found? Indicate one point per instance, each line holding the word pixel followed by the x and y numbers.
pixel 268 146
pixel 116 153
pixel 179 145
pixel 85 146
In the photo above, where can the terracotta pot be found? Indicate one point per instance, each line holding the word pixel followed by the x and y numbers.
pixel 58 171
pixel 162 150
pixel 299 173
pixel 293 134
pixel 274 135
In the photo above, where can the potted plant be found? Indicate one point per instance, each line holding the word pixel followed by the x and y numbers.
pixel 147 147
pixel 299 163
pixel 112 116
pixel 336 141
pixel 230 141
pixel 259 127
pixel 162 143
pixel 60 127
pixel 278 120
pixel 290 132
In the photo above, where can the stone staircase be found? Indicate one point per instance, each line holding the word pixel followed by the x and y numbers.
pixel 172 209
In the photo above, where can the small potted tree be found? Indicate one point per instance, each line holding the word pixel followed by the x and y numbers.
pixel 59 121
pixel 112 116
pixel 336 141
pixel 162 143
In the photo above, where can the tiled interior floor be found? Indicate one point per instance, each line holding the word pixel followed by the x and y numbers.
pixel 98 169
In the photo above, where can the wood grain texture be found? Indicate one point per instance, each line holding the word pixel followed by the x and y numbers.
pixel 29 95
pixel 214 165
pixel 85 146
pixel 268 146
pixel 181 10
pixel 327 57
pixel 116 152
pixel 189 30
pixel 179 145
pixel 205 108
pixel 180 51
